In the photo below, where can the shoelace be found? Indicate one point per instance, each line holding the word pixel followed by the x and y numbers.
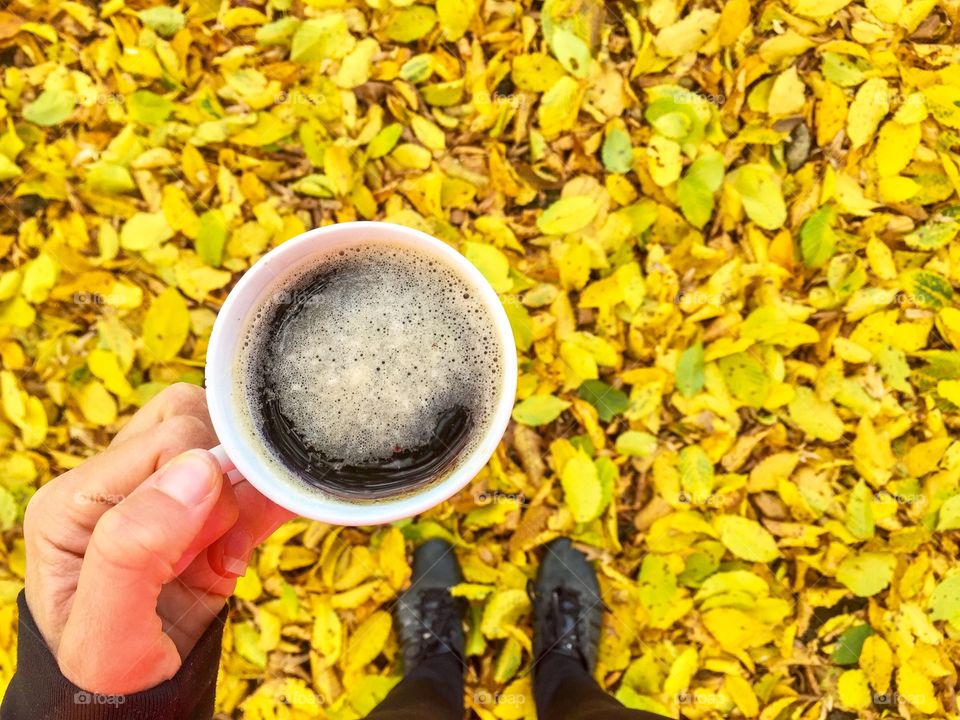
pixel 439 607
pixel 565 617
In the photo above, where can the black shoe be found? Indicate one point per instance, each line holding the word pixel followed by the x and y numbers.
pixel 429 619
pixel 567 609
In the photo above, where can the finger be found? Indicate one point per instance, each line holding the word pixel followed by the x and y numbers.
pixel 178 399
pixel 223 517
pixel 113 634
pixel 259 517
pixel 85 493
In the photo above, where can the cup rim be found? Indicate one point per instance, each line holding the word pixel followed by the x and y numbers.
pixel 220 366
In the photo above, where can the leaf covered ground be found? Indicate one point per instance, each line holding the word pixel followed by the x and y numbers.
pixel 725 235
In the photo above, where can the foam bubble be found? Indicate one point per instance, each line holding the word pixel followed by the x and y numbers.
pixel 365 353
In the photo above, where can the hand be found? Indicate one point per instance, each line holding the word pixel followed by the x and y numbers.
pixel 132 554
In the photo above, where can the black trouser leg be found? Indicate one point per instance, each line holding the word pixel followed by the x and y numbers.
pixel 564 690
pixel 432 690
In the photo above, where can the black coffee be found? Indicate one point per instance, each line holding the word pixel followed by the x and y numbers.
pixel 370 374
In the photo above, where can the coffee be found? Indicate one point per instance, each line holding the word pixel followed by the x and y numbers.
pixel 370 373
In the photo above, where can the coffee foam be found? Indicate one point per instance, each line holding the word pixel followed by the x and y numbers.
pixel 358 400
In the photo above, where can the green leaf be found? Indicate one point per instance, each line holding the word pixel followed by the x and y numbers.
pixel 608 401
pixel 521 324
pixel 567 215
pixel 818 241
pixel 689 375
pixel 411 23
pixel 759 189
pixel 746 538
pixel 109 178
pixel 148 108
pixel 211 237
pixel 322 38
pixel 949 516
pixel 859 519
pixel 850 643
pixel 385 140
pixel 491 262
pixel 277 32
pixel 696 188
pixel 539 410
pixel 945 600
pixel 617 152
pixel 571 50
pixel 52 107
pixel 163 20
pixel 658 588
pixel 927 289
pixel 844 70
pixel 934 234
pixel 868 573
pixel 746 378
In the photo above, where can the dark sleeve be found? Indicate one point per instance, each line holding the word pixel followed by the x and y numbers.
pixel 38 690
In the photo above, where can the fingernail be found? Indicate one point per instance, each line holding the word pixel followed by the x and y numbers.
pixel 187 479
pixel 237 548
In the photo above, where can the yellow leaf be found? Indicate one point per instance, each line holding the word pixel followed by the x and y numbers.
pixel 735 629
pixel 144 231
pixel 367 641
pixel 428 133
pixel 853 690
pixel 871 104
pixel 688 34
pixel 502 611
pixel 178 211
pixel 876 661
pixel 734 18
pixel 105 366
pixel 787 94
pixel 559 107
pixel 582 491
pixel 817 418
pixel 97 405
pixel 741 692
pixel 916 689
pixel 746 538
pixel 39 276
pixel 166 326
pixel 872 455
pixel 949 389
pixel 896 144
pixel 682 670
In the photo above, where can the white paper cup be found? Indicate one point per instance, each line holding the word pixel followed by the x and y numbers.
pixel 241 449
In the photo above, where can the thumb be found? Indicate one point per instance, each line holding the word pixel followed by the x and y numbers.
pixel 113 640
